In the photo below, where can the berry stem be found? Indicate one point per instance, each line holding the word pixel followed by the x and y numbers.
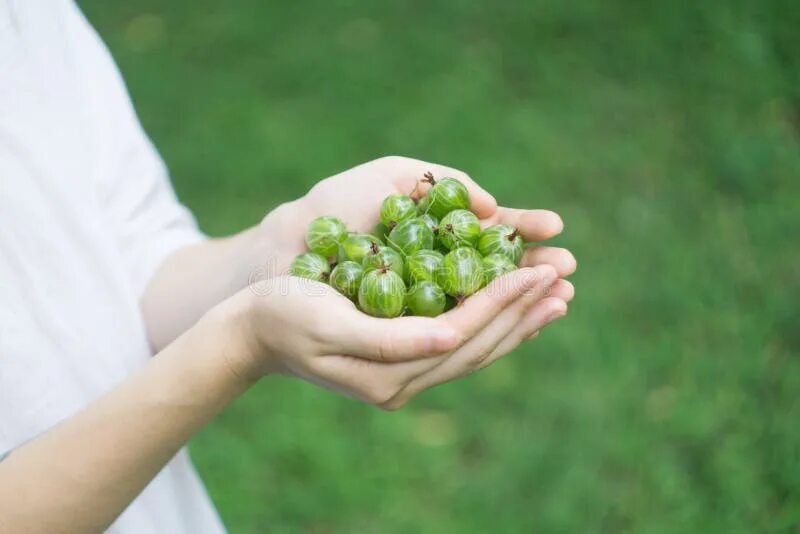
pixel 513 235
pixel 429 178
pixel 397 248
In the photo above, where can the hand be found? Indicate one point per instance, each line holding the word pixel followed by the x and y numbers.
pixel 196 278
pixel 306 329
pixel 355 197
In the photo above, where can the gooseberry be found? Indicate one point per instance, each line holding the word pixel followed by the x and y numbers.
pixel 356 246
pixel 446 195
pixel 431 221
pixel 449 303
pixel 312 266
pixel 423 205
pixel 382 293
pixel 433 246
pixel 380 256
pixel 410 236
pixel 346 278
pixel 324 235
pixel 502 239
pixel 380 231
pixel 459 228
pixel 396 209
pixel 425 298
pixel 461 274
pixel 423 265
pixel 495 265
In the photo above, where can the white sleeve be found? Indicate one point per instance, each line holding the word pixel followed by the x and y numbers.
pixel 149 222
pixel 132 181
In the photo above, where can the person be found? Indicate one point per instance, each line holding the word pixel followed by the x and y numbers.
pixel 101 268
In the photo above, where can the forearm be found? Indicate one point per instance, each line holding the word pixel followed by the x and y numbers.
pixel 194 279
pixel 79 476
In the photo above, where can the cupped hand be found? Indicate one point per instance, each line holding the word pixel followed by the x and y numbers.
pixel 389 361
pixel 306 329
pixel 355 197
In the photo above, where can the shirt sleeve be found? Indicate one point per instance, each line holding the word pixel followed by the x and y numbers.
pixel 134 190
pixel 149 223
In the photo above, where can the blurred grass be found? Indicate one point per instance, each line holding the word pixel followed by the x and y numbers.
pixel 665 134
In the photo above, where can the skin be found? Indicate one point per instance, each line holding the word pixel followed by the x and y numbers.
pixel 223 315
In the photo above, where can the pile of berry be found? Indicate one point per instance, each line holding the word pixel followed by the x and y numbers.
pixel 421 259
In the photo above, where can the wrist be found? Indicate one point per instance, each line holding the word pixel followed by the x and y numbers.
pixel 266 251
pixel 241 352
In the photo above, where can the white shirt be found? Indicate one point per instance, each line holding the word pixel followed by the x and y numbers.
pixel 87 215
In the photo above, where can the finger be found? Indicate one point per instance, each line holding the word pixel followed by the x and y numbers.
pixel 411 171
pixel 367 380
pixel 560 258
pixel 534 225
pixel 481 308
pixel 563 290
pixel 535 333
pixel 545 312
pixel 392 340
pixel 374 382
pixel 428 348
pixel 471 354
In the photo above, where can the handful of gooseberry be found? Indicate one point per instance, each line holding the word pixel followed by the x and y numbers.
pixel 422 257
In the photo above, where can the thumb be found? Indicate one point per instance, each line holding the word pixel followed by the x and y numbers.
pixel 394 340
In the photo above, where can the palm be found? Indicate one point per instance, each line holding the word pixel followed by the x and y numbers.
pixel 388 361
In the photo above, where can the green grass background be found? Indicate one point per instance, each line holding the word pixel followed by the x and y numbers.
pixel 665 133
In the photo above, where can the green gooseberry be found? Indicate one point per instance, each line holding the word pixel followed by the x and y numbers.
pixel 312 266
pixel 381 232
pixel 346 278
pixel 356 246
pixel 459 228
pixel 380 256
pixel 433 224
pixel 423 265
pixel 324 235
pixel 431 221
pixel 425 298
pixel 495 265
pixel 382 293
pixel 446 195
pixel 502 239
pixel 396 209
pixel 462 273
pixel 449 303
pixel 410 236
pixel 423 205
